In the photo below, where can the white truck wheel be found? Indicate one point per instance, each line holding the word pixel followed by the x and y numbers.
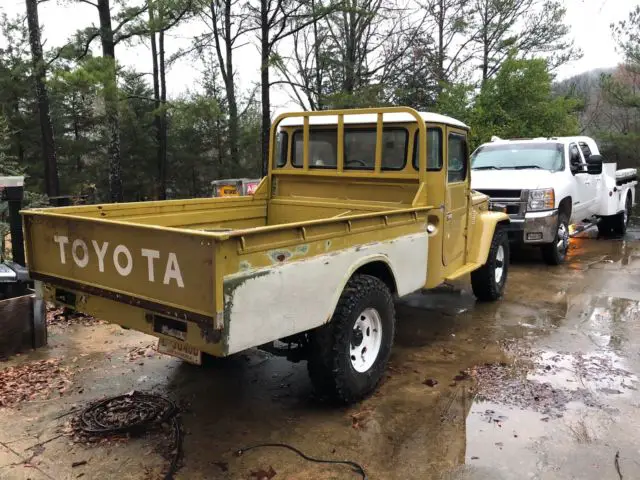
pixel 348 356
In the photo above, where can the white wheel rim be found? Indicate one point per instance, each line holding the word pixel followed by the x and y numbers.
pixel 563 238
pixel 499 270
pixel 366 339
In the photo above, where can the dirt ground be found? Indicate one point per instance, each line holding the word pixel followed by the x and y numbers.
pixel 542 385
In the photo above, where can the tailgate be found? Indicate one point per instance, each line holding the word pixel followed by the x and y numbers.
pixel 162 270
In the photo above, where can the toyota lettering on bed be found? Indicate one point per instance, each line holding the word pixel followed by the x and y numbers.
pixel 159 267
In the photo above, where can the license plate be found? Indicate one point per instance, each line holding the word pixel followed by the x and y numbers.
pixel 180 350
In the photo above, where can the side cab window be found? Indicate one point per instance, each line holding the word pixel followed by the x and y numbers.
pixel 586 151
pixel 457 158
pixel 576 161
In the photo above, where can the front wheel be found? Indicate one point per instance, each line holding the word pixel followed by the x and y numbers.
pixel 348 356
pixel 489 280
pixel 555 252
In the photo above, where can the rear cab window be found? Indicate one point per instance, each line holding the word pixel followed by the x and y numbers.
pixel 359 148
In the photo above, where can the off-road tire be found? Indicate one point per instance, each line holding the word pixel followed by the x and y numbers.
pixel 483 281
pixel 329 364
pixel 551 254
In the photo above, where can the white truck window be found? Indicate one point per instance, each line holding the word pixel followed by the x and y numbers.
pixel 542 155
pixel 586 151
pixel 575 160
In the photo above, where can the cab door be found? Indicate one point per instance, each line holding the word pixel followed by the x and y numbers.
pixel 454 237
pixel 585 184
pixel 592 182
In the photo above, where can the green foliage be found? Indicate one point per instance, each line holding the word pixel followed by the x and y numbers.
pixel 620 127
pixel 518 102
pixel 455 100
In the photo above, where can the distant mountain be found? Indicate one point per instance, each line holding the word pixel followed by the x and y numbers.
pixel 582 83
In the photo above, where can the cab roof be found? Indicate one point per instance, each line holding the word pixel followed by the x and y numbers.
pixel 372 118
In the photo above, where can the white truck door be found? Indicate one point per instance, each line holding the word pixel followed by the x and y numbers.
pixel 584 203
pixel 593 183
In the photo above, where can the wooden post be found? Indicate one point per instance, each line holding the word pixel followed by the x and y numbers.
pixel 39 316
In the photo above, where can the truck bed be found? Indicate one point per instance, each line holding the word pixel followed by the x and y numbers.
pixel 223 270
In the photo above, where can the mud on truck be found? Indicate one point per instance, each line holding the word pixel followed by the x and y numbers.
pixel 359 207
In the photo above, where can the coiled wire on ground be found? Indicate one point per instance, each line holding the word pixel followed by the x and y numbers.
pixel 134 413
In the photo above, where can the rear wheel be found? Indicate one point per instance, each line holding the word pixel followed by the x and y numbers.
pixel 348 356
pixel 556 252
pixel 489 280
pixel 616 224
pixel 621 221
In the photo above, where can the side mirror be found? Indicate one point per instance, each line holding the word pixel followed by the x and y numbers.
pixel 594 165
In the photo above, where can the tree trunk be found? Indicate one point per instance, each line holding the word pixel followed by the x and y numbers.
pixel 264 78
pixel 112 119
pixel 230 86
pixel 225 62
pixel 319 102
pixel 46 127
pixel 350 50
pixel 485 44
pixel 76 132
pixel 156 99
pixel 163 116
pixel 441 19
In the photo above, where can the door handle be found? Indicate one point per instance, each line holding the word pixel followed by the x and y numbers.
pixel 449 216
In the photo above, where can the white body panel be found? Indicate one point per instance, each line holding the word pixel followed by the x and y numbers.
pixel 615 203
pixel 296 297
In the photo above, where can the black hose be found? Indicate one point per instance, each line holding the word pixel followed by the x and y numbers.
pixel 133 413
pixel 356 467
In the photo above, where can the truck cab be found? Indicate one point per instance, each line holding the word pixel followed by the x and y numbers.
pixel 392 176
pixel 550 186
pixel 359 207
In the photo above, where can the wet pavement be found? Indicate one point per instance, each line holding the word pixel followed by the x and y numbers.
pixel 542 385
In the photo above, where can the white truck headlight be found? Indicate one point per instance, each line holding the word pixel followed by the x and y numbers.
pixel 541 199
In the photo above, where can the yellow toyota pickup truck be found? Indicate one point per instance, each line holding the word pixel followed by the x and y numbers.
pixel 358 207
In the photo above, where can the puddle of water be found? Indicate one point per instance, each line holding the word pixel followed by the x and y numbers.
pixel 603 372
pixel 496 431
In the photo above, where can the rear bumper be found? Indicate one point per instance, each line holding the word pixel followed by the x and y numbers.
pixel 534 228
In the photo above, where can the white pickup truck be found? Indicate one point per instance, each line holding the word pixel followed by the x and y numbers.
pixel 550 185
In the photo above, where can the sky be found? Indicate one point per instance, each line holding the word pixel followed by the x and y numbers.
pixel 589 22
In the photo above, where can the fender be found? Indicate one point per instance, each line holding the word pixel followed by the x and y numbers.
pixel 623 192
pixel 485 227
pixel 354 268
